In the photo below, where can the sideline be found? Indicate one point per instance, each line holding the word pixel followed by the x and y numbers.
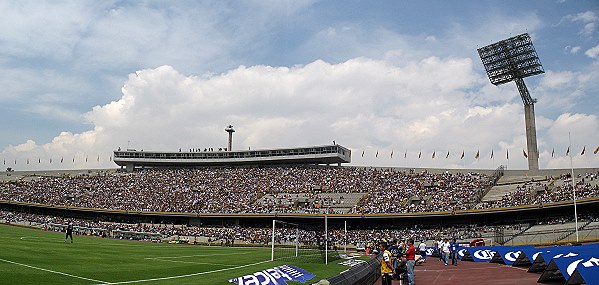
pixel 186 275
pixel 56 272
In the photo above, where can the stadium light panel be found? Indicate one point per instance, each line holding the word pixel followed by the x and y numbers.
pixel 510 59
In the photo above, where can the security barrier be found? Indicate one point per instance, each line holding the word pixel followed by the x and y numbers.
pixel 363 273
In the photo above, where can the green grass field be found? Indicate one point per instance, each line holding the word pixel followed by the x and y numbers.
pixel 31 256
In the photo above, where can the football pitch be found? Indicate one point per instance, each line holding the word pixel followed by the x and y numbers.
pixel 31 256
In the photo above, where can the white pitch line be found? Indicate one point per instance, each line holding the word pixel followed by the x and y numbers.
pixel 191 262
pixel 186 275
pixel 196 255
pixel 52 271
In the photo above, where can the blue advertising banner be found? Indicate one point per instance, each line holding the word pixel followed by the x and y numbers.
pixel 430 250
pixel 508 255
pixel 527 256
pixel 562 267
pixel 543 258
pixel 479 253
pixel 275 276
pixel 587 272
pixel 461 251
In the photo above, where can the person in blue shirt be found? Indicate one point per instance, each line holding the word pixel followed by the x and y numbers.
pixel 454 251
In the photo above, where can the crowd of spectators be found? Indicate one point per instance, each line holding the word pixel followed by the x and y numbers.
pixel 423 192
pixel 309 235
pixel 238 190
pixel 553 189
pixel 300 189
pixel 246 235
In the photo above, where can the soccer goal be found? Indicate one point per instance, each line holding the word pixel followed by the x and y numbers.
pixel 305 241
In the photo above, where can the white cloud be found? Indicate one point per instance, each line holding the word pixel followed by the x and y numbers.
pixel 365 104
pixel 589 20
pixel 376 87
pixel 578 130
pixel 572 50
pixel 593 52
pixel 553 79
pixel 586 17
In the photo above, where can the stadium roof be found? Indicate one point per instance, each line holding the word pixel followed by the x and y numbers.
pixel 327 154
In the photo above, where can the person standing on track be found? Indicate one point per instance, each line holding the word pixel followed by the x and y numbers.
pixel 69 233
pixel 422 249
pixel 387 269
pixel 454 252
pixel 445 249
pixel 411 260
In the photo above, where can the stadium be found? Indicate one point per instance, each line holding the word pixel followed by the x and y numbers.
pixel 296 214
pixel 219 201
pixel 269 216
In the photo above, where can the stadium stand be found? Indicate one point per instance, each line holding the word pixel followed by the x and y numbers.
pixel 296 189
pixel 193 200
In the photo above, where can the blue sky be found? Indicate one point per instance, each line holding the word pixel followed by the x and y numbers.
pixel 82 78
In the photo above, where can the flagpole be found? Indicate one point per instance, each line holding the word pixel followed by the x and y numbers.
pixel 573 188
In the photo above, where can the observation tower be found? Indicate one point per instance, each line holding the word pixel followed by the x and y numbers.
pixel 230 130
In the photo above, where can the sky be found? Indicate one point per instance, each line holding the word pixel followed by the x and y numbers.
pixel 394 81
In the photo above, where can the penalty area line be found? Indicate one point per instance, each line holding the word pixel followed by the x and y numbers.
pixel 52 271
pixel 186 275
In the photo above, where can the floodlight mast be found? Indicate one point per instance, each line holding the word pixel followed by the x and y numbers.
pixel 512 60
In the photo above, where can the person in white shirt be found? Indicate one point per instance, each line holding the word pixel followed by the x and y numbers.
pixel 445 250
pixel 422 250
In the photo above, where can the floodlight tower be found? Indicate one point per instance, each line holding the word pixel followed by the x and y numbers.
pixel 230 130
pixel 514 59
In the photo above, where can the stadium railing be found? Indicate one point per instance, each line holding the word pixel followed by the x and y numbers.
pixel 363 273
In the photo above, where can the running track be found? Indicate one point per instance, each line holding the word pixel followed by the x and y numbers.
pixel 470 273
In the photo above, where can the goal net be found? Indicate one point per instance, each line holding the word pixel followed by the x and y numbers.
pixel 305 241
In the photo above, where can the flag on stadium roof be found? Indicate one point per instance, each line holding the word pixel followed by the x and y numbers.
pixel 568 151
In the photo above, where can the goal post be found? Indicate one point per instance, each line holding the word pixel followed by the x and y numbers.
pixel 274 240
pixel 307 241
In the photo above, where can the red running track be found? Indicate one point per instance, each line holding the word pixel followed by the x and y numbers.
pixel 470 273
